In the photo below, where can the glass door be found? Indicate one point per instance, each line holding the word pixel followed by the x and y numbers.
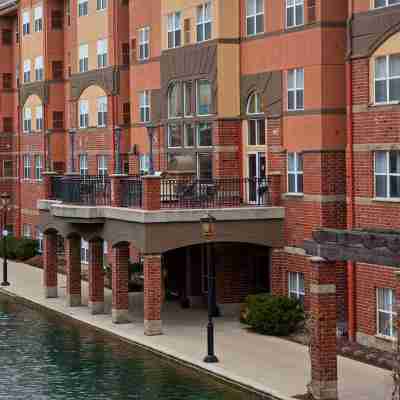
pixel 256 173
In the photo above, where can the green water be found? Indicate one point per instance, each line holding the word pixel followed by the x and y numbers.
pixel 45 357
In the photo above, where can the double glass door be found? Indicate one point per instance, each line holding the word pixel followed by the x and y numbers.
pixel 257 176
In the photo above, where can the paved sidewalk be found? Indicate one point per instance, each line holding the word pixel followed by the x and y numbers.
pixel 265 363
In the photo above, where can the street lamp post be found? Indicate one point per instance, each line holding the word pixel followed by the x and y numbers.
pixel 150 131
pixel 208 232
pixel 5 200
pixel 72 133
pixel 117 157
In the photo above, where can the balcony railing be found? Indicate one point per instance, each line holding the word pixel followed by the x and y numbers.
pixel 132 192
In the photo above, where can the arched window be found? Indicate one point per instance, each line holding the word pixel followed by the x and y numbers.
pixel 254 104
pixel 256 123
pixel 174 100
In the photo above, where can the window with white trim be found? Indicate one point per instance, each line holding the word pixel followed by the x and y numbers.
pixel 386 312
pixel 26 231
pixel 174 30
pixel 294 13
pixel 387 174
pixel 144 106
pixel 105 247
pixel 254 17
pixel 38 18
pixel 144 163
pixel 256 126
pixel 27 166
pixel 174 135
pixel 83 114
pixel 203 91
pixel 387 79
pixel 189 135
pixel 84 251
pixel 39 117
pixel 26 22
pixel 295 87
pixel 27 123
pixel 174 92
pixel 144 43
pixel 83 8
pixel 204 22
pixel 83 165
pixel 102 111
pixel 27 71
pixel 296 286
pixel 39 238
pixel 204 134
pixel 39 68
pixel 102 169
pixel 188 98
pixel 101 5
pixel 385 3
pixel 295 173
pixel 102 53
pixel 83 58
pixel 38 167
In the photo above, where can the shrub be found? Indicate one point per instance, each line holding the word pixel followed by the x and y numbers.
pixel 272 315
pixel 19 249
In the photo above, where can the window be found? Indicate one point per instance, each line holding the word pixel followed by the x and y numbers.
pixel 83 114
pixel 39 118
pixel 296 286
pixel 203 97
pixel 254 17
pixel 27 166
pixel 254 104
pixel 38 19
pixel 204 134
pixel 82 8
pixel 102 111
pixel 204 166
pixel 186 30
pixel 295 84
pixel 68 11
pixel 204 21
pixel 57 20
pixel 387 79
pixel 174 135
pixel 174 30
pixel 144 43
pixel 125 53
pixel 27 125
pixel 39 68
pixel 58 120
pixel 387 174
pixel 187 99
pixel 385 3
pixel 27 71
pixel 39 238
pixel 173 100
pixel 144 163
pixel 386 312
pixel 7 81
pixel 58 69
pixel 26 22
pixel 294 13
pixel 6 37
pixel 126 113
pixel 38 167
pixel 83 165
pixel 83 58
pixel 189 135
pixel 102 53
pixel 256 135
pixel 144 106
pixel 84 251
pixel 7 168
pixel 26 231
pixel 101 5
pixel 102 166
pixel 7 124
pixel 295 173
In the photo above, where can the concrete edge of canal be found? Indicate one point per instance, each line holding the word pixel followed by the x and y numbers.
pixel 211 370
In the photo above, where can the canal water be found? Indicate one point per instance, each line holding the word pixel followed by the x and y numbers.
pixel 43 357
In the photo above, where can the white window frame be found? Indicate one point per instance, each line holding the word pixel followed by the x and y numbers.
pixel 144 163
pixel 258 111
pixel 27 162
pixel 296 172
pixel 387 174
pixel 203 18
pixel 27 71
pixel 84 252
pixel 185 135
pixel 292 4
pixel 39 238
pixel 27 120
pixel 297 292
pixel 38 160
pixel 144 106
pixel 198 100
pixel 174 25
pixel 169 135
pixel 27 231
pixel 83 165
pixel 392 313
pixel 26 17
pixel 102 168
pixel 387 79
pixel 83 8
pixel 39 118
pixel 38 19
pixel 83 57
pixel 198 134
pixel 144 43
pixel 102 50
pixel 297 88
pixel 101 5
pixel 83 114
pixel 102 111
pixel 251 18
pixel 39 68
pixel 385 5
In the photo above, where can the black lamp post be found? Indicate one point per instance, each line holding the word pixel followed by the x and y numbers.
pixel 150 131
pixel 208 232
pixel 5 201
pixel 72 133
pixel 117 158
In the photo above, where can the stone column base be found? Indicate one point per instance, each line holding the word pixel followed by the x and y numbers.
pixel 152 328
pixel 96 307
pixel 74 300
pixel 324 390
pixel 50 292
pixel 120 316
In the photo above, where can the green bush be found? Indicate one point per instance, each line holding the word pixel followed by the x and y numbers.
pixel 19 249
pixel 272 315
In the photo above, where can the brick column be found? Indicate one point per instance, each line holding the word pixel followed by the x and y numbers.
pixel 151 192
pixel 324 377
pixel 120 299
pixel 50 265
pixel 152 295
pixel 275 189
pixel 96 277
pixel 47 186
pixel 73 268
pixel 116 192
pixel 277 266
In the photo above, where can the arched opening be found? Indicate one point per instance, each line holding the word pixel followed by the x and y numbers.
pixel 32 115
pixel 92 108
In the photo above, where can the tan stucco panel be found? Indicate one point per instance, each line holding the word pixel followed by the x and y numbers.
pixel 91 94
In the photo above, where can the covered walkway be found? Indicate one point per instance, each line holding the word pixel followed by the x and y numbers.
pixel 267 364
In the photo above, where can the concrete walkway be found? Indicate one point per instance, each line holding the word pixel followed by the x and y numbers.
pixel 267 364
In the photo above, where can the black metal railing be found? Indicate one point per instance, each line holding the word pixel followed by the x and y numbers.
pixel 82 190
pixel 132 190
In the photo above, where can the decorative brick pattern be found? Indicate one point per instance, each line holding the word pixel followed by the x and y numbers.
pixel 96 277
pixel 151 193
pixel 50 264
pixel 73 270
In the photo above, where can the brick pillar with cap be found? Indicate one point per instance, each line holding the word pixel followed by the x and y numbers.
pixel 120 299
pixel 324 376
pixel 50 265
pixel 73 269
pixel 152 294
pixel 96 277
pixel 116 190
pixel 151 193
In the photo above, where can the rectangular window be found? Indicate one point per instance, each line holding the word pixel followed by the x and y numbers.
pixel 83 165
pixel 387 174
pixel 27 166
pixel 27 71
pixel 204 134
pixel 39 68
pixel 7 81
pixel 204 22
pixel 84 251
pixel 39 118
pixel 26 22
pixel 294 13
pixel 38 19
pixel 83 114
pixel 187 98
pixel 144 106
pixel 203 97
pixel 57 21
pixel 82 8
pixel 144 163
pixel 295 87
pixel 102 53
pixel 8 124
pixel 101 4
pixel 26 231
pixel 189 135
pixel 102 111
pixel 39 238
pixel 174 30
pixel 204 166
pixel 8 168
pixel 58 120
pixel 387 79
pixel 256 135
pixel 102 169
pixel 57 69
pixel 83 58
pixel 27 125
pixel 187 30
pixel 38 167
pixel 295 173
pixel 386 312
pixel 254 17
pixel 125 53
pixel 174 135
pixel 144 43
pixel 126 113
pixel 385 3
pixel 296 286
pixel 7 37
